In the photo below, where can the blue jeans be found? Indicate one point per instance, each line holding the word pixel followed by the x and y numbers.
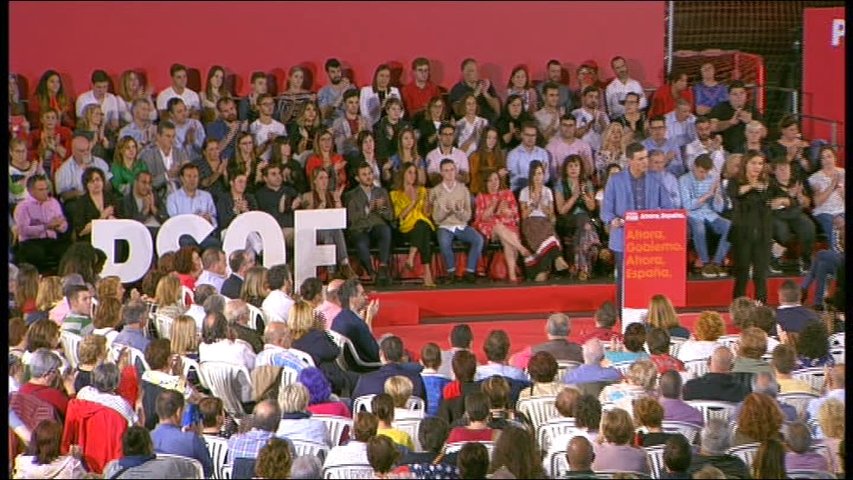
pixel 825 221
pixel 700 241
pixel 379 235
pixel 826 263
pixel 469 236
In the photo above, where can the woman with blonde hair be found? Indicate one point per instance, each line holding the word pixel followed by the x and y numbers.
pixel 830 417
pixel 309 335
pixel 110 286
pixel 93 123
pixel 411 208
pixel 612 151
pixel 168 297
pixel 614 450
pixel 126 165
pixel 107 318
pixel 132 85
pixel 183 336
pixel 400 388
pixel 255 287
pixel 91 352
pixel 49 296
pixel 662 315
pixel 709 327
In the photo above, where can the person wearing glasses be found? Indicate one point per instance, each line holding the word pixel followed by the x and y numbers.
pixel 446 149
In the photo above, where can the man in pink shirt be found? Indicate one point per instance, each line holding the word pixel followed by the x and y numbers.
pixel 331 306
pixel 39 221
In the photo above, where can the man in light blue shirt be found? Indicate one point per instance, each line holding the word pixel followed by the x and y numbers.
pixel 519 159
pixel 496 348
pixel 69 177
pixel 657 164
pixel 189 199
pixel 702 197
pixel 660 140
pixel 330 97
pixel 681 124
pixel 140 129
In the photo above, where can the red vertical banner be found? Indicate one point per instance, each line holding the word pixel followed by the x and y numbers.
pixel 824 70
pixel 655 257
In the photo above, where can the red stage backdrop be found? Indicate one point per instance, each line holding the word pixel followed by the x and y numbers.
pixel 823 72
pixel 76 37
pixel 655 257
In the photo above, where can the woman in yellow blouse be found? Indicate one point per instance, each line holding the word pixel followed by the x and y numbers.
pixel 410 207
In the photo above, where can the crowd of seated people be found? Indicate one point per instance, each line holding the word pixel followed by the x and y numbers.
pixel 420 165
pixel 133 399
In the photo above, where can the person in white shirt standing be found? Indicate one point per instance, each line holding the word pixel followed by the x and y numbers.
pixel 279 301
pixel 266 129
pixel 616 90
pixel 179 88
pixel 100 94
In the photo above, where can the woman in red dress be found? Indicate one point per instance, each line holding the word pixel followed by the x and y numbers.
pixel 496 216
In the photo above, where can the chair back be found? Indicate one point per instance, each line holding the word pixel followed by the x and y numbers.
pixel 255 314
pixel 548 431
pixel 654 455
pixel 729 341
pixel 622 367
pixel 348 471
pixel 798 400
pixel 809 474
pixel 193 463
pixel 538 409
pixel 712 409
pixel 305 357
pixel 163 323
pixel 612 473
pixel 187 296
pixel 689 430
pixel 226 471
pixel 697 368
pixel 70 344
pixel 223 380
pixel 836 340
pixel 815 377
pixel 411 426
pixel 675 346
pixel 218 449
pixel 288 377
pixel 745 452
pixel 336 426
pixel 363 403
pixel 555 463
pixel 565 366
pixel 313 449
pixel 455 447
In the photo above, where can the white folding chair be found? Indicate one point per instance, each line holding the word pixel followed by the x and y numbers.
pixel 836 340
pixel 745 452
pixel 288 377
pixel 190 364
pixel 347 344
pixel 163 324
pixel 564 367
pixel 837 354
pixel 457 446
pixel 305 357
pixel 729 341
pixel 225 472
pixel 612 473
pixel 313 449
pixel 335 427
pixel 689 430
pixel 255 313
pixel 137 358
pixel 71 344
pixel 555 463
pixel 223 380
pixel 798 400
pixel 195 463
pixel 348 471
pixel 622 367
pixel 675 346
pixel 410 426
pixel 697 368
pixel 712 409
pixel 416 404
pixel 218 449
pixel 814 376
pixel 538 409
pixel 654 456
pixel 363 402
pixel 548 431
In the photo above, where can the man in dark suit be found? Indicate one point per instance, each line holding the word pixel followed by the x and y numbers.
pixel 349 324
pixel 240 262
pixel 718 384
pixel 142 205
pixel 237 314
pixel 369 213
pixel 558 327
pixel 390 354
pixel 791 316
pixel 164 160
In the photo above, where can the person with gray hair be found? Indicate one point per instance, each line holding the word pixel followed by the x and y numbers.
pixel 276 351
pixel 134 316
pixel 237 313
pixel 799 455
pixel 718 384
pixel 215 303
pixel 296 422
pixel 715 441
pixel 591 371
pixel 105 380
pixel 45 377
pixel 557 328
pixel 674 408
pixel 306 466
pixel 764 382
pixel 243 448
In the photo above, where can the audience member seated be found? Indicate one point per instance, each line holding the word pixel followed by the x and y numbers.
pixel 382 455
pixel 496 348
pixel 751 346
pixel 451 212
pixel 586 410
pixel 104 389
pixel 592 372
pixel 501 413
pixel 769 461
pixel 400 389
pixel 275 197
pixel 413 215
pixel 296 422
pixel 277 348
pixel 391 355
pixel 516 455
pixel 220 344
pixel 633 342
pixel 813 347
pixel 605 318
pixel 243 448
pixel 168 436
pixel 237 314
pixel 677 455
pixel 166 373
pixel 616 452
pixel 542 369
pixel 828 186
pixel 369 212
pixel 834 389
pixel 134 316
pixel 138 459
pixel 718 384
pixel 240 261
pixel 169 297
pixel 764 317
pixel 830 417
pixel 663 315
pixel 715 442
pixel 639 381
pixel 709 327
pixel 800 456
pixel 784 362
pixel 178 89
pixel 477 413
pixel 44 459
pixel 78 321
pixel 579 455
pixel 759 419
pixel 432 462
pixel 39 222
pixel 648 416
pixel 658 343
pixel 321 401
pixel 674 408
pixel 461 338
pixel 306 467
pixel 558 329
pixel 45 375
pixel 434 382
pixel 275 460
pixel 452 407
pixel 354 453
pixel 310 337
pixel 215 422
pixel 383 407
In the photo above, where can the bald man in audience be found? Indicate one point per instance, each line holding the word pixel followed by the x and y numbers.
pixel 579 454
pixel 276 352
pixel 558 328
pixel 331 306
pixel 718 384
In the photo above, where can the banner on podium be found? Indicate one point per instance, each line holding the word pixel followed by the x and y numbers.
pixel 655 259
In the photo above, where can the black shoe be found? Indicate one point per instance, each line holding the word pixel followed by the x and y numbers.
pixel 382 278
pixel 470 277
pixel 775 267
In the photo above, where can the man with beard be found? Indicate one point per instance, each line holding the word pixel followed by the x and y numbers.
pixel 555 76
pixel 591 120
pixel 331 97
pixel 708 143
pixel 225 128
